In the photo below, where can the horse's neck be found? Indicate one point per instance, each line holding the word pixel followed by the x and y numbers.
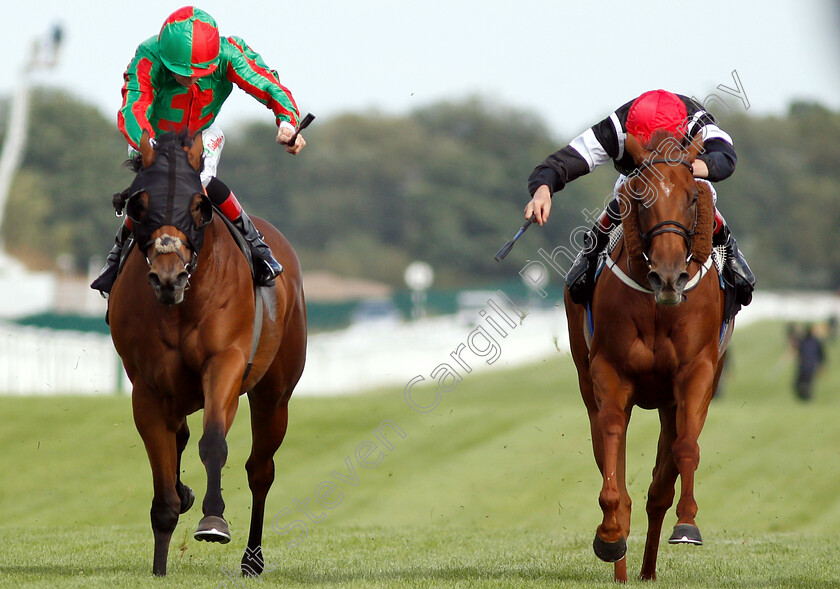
pixel 217 265
pixel 634 264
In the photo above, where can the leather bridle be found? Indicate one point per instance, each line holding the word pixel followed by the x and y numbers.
pixel 669 226
pixel 189 266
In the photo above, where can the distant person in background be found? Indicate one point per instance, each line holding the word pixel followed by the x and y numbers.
pixel 811 357
pixel 178 81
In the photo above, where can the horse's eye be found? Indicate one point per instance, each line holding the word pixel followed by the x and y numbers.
pixel 136 208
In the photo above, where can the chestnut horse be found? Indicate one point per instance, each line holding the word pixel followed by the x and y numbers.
pixel 186 341
pixel 653 341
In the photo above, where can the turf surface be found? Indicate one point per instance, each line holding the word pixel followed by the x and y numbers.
pixel 496 487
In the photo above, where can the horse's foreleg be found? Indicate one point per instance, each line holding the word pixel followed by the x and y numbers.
pixel 610 537
pixel 268 427
pixel 221 379
pixel 624 506
pixel 610 541
pixel 186 494
pixel 695 393
pixel 161 447
pixel 661 491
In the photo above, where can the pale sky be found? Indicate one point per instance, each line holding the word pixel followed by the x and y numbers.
pixel 570 63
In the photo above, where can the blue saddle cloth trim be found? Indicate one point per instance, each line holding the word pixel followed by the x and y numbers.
pixel 722 333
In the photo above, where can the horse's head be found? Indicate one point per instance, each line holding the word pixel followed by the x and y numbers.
pixel 169 211
pixel 662 212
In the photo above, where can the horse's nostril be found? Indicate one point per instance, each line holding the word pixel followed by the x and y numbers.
pixel 655 280
pixel 182 280
pixel 154 280
pixel 682 280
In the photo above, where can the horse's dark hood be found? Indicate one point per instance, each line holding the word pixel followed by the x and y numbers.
pixel 171 182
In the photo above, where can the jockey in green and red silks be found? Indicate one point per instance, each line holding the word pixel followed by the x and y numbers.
pixel 154 100
pixel 178 80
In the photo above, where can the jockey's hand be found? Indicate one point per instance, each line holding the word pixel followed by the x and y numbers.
pixel 284 135
pixel 540 205
pixel 699 168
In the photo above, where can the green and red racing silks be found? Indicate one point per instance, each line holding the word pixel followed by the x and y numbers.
pixel 154 101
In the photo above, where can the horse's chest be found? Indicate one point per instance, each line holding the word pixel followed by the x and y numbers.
pixel 172 372
pixel 167 365
pixel 644 360
pixel 652 365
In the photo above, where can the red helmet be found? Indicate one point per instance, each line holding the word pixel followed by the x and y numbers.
pixel 189 42
pixel 657 109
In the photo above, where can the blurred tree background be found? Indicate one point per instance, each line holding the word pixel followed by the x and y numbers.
pixel 445 184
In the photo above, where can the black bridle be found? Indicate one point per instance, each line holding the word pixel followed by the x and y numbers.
pixel 172 181
pixel 669 226
pixel 189 265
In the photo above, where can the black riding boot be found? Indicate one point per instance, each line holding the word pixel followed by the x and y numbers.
pixel 108 274
pixel 742 276
pixel 266 267
pixel 581 277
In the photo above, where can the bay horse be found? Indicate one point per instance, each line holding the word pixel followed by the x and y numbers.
pixel 183 313
pixel 652 340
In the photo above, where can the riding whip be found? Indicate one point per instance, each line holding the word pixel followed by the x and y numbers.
pixel 304 123
pixel 500 255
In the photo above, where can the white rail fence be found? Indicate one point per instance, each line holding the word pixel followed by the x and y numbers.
pixel 36 361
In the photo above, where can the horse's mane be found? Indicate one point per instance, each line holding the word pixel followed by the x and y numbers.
pixel 162 142
pixel 134 162
pixel 702 247
pixel 630 220
pixel 180 139
pixel 656 139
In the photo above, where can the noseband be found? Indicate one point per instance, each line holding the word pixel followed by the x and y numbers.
pixel 167 244
pixel 669 226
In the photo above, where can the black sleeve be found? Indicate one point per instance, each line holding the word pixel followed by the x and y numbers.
pixel 595 146
pixel 720 158
pixel 558 169
pixel 718 151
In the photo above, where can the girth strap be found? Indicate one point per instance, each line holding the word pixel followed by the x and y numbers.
pixel 258 320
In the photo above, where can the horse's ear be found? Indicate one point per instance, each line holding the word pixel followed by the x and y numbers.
pixel 635 149
pixel 194 154
pixel 695 147
pixel 147 151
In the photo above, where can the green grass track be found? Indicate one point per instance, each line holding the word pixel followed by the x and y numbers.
pixel 496 487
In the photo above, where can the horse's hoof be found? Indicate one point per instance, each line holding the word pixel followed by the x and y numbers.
pixel 686 534
pixel 609 551
pixel 212 529
pixel 187 498
pixel 253 562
